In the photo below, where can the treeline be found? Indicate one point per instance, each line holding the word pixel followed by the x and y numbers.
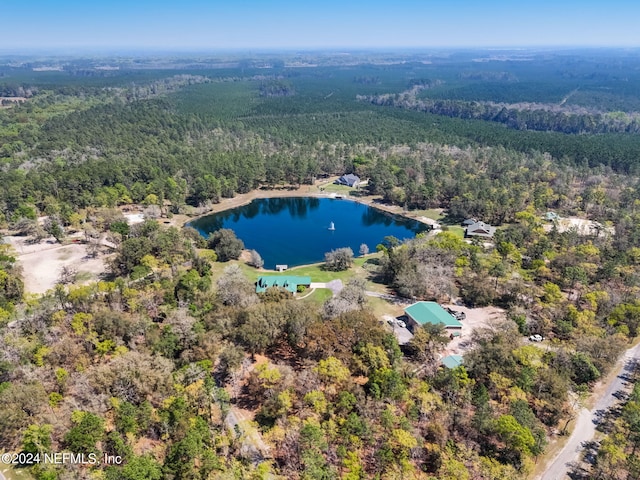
pixel 534 117
pixel 11 284
pixel 138 150
pixel 145 152
pixel 276 88
pixel 148 145
pixel 12 90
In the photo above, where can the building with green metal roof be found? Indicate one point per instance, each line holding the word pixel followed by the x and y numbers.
pixel 452 361
pixel 288 282
pixel 421 313
pixel 551 216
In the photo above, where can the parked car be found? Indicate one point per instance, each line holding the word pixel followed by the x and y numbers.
pixel 457 315
pixel 536 338
pixel 401 324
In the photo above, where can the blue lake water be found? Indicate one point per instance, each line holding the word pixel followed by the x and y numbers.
pixel 295 231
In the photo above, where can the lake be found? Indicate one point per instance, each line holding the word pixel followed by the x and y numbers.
pixel 296 231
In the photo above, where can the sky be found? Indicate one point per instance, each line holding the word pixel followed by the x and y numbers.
pixel 333 24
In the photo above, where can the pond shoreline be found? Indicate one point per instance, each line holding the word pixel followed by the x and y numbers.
pixel 297 236
pixel 243 199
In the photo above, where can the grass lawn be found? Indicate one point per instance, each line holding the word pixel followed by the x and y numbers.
pixel 218 267
pixel 364 267
pixel 339 189
pixel 331 187
pixel 318 297
pixel 316 271
pixel 432 213
pixel 369 270
pixel 457 230
pixel 381 307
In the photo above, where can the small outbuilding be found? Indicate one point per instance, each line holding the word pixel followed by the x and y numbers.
pixel 421 313
pixel 288 282
pixel 480 229
pixel 350 180
pixel 451 361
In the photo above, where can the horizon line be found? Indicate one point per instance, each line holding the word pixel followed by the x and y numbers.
pixel 71 49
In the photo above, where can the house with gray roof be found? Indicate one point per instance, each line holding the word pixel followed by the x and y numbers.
pixel 350 180
pixel 480 229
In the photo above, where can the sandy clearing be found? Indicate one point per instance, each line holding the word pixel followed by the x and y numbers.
pixel 475 318
pixel 8 102
pixel 42 262
pixel 133 218
pixel 581 225
pixel 429 221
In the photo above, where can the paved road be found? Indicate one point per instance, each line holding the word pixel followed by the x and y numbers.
pixel 585 426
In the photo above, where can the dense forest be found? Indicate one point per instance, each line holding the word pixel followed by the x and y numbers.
pixel 160 361
pixel 534 116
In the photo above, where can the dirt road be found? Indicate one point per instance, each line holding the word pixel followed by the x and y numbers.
pixel 585 427
pixel 253 447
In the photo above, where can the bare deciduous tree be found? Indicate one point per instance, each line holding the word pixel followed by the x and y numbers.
pixel 234 289
pixel 182 326
pixel 256 260
pixel 67 275
pixel 338 259
pixel 352 297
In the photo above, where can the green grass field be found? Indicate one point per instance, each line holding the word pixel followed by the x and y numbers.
pixel 318 297
pixel 456 229
pixel 338 189
pixel 363 267
pixel 432 213
pixel 316 271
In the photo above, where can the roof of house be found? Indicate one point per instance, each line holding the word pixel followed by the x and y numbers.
pixel 348 179
pixel 431 312
pixel 469 221
pixel 452 361
pixel 551 216
pixel 481 229
pixel 288 282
